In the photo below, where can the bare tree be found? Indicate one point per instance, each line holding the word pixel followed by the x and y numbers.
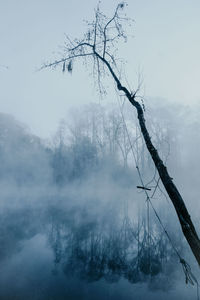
pixel 100 44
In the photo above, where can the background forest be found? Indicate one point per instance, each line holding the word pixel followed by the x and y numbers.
pixel 72 218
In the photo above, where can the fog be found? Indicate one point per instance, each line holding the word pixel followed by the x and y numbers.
pixel 165 48
pixel 83 212
pixel 73 223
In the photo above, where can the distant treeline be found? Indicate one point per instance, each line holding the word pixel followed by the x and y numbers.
pixel 92 139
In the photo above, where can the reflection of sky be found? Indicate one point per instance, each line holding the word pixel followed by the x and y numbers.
pixel 31 272
pixel 165 47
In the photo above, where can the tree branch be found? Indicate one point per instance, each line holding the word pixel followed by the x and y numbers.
pixel 100 49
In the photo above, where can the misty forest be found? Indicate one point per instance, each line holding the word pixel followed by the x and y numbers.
pixel 91 212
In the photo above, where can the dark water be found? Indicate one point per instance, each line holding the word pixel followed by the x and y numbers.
pixel 50 250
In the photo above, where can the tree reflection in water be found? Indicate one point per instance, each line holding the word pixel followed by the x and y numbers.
pixel 90 251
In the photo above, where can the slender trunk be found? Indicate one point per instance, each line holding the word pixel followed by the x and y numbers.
pixel 172 191
pixel 187 226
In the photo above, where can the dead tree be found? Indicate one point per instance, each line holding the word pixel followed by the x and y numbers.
pixel 99 45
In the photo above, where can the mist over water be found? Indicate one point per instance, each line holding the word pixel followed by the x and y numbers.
pixel 73 225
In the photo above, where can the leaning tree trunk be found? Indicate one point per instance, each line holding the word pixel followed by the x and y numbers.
pixel 172 191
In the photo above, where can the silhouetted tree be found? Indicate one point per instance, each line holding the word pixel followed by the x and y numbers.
pixel 99 46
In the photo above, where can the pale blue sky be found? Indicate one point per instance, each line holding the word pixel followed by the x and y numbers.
pixel 166 48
